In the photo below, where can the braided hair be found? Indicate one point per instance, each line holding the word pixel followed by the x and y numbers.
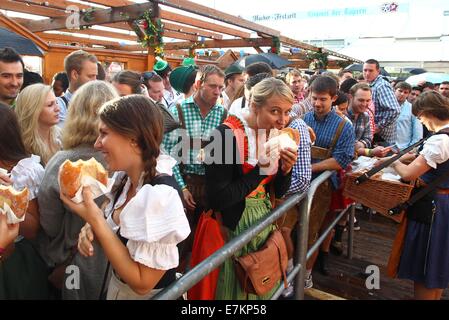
pixel 137 117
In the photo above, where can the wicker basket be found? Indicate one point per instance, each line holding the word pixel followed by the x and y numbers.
pixel 380 195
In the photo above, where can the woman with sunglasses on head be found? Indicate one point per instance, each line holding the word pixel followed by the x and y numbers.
pixel 145 220
pixel 425 255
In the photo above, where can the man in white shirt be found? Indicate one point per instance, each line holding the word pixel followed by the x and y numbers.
pixel 81 67
pixel 408 128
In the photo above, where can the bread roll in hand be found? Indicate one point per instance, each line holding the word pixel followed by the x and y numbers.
pixel 72 173
pixel 16 200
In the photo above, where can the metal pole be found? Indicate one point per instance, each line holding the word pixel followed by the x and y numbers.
pixel 301 245
pixel 351 231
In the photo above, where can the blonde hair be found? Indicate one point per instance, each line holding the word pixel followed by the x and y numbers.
pixel 29 105
pixel 81 126
pixel 268 88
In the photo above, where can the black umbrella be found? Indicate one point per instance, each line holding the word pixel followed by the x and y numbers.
pixel 415 70
pixel 275 61
pixel 21 44
pixel 359 67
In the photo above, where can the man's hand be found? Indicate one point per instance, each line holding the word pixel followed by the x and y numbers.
pixel 190 202
pixel 380 151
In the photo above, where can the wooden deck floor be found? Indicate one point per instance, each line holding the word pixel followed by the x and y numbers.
pixel 372 246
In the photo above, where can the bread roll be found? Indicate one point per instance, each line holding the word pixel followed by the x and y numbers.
pixel 71 174
pixel 293 133
pixel 16 200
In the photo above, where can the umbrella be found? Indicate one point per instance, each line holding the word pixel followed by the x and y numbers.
pixel 359 67
pixel 432 77
pixel 21 44
pixel 275 61
pixel 414 70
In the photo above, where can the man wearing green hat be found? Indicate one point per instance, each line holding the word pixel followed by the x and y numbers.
pixel 182 80
pixel 163 69
pixel 234 81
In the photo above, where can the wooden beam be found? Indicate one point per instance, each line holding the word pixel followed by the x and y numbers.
pixel 36 9
pixel 167 15
pixel 339 55
pixel 297 44
pixel 190 30
pixel 258 49
pixel 21 30
pixel 99 16
pixel 62 38
pixel 179 35
pixel 228 43
pixel 218 15
pixel 112 3
pixel 102 33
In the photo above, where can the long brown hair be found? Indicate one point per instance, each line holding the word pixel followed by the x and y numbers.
pixel 12 148
pixel 137 117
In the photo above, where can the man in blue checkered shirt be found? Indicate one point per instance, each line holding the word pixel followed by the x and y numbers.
pixel 333 150
pixel 386 105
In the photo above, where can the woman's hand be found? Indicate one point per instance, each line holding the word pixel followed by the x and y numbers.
pixel 5 179
pixel 288 159
pixel 8 232
pixel 85 239
pixel 87 209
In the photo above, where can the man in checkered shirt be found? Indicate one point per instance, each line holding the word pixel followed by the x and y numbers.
pixel 198 115
pixel 385 102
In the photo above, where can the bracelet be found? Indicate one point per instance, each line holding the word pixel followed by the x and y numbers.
pixel 185 188
pixel 367 152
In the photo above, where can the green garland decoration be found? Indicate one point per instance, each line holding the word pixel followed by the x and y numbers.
pixel 276 46
pixel 152 36
pixel 195 45
pixel 87 14
pixel 320 56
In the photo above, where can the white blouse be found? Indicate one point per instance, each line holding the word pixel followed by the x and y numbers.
pixel 28 173
pixel 436 149
pixel 153 221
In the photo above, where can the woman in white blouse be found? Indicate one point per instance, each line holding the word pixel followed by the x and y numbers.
pixel 425 255
pixel 140 228
pixel 23 275
pixel 38 114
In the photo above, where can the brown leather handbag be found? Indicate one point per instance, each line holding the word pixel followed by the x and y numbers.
pixel 258 272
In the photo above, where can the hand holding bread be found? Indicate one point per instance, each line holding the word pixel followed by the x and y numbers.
pixel 73 174
pixel 13 203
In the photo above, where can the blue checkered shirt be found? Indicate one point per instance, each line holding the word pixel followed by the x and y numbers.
pixel 302 170
pixel 198 128
pixel 362 128
pixel 325 130
pixel 387 109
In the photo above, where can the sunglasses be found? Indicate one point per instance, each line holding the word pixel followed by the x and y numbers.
pixel 148 75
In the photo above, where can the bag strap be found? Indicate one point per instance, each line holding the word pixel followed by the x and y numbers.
pixel 225 115
pixel 424 191
pixel 65 101
pixel 180 116
pixel 337 135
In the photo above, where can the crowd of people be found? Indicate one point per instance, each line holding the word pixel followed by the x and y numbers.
pixel 153 131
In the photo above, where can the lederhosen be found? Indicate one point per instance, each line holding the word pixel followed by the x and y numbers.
pixel 195 183
pixel 322 200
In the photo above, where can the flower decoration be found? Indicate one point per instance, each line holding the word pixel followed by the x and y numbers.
pixel 276 46
pixel 318 58
pixel 150 33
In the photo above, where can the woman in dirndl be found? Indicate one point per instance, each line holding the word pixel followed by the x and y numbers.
pixel 237 180
pixel 425 254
